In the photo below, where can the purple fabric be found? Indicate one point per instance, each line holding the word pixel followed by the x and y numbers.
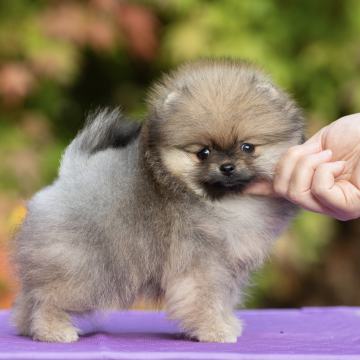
pixel 310 333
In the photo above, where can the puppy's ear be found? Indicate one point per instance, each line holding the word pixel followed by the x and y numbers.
pixel 283 101
pixel 166 104
pixel 176 96
pixel 267 88
pixel 170 99
pixel 164 100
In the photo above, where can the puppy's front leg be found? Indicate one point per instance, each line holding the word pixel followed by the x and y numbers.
pixel 52 324
pixel 203 303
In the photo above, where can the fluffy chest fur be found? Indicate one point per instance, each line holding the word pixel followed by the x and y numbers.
pixel 249 225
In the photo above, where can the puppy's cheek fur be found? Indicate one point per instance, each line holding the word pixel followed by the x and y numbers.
pixel 267 160
pixel 182 165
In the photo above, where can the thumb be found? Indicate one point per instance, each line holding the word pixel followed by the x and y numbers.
pixel 264 188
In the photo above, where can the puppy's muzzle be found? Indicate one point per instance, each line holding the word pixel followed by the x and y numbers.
pixel 231 179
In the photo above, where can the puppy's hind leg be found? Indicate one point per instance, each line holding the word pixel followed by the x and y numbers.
pixel 22 312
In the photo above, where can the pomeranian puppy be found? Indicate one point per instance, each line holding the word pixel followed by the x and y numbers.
pixel 158 210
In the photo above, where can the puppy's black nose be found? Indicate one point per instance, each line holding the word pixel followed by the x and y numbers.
pixel 227 168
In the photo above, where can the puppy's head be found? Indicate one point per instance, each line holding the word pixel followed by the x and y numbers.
pixel 219 125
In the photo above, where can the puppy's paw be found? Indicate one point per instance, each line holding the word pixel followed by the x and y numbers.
pixel 217 336
pixel 236 325
pixel 61 333
pixel 226 332
pixel 22 326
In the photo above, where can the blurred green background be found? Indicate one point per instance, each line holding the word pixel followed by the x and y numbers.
pixel 61 59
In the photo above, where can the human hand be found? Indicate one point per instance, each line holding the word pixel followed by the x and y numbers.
pixel 323 174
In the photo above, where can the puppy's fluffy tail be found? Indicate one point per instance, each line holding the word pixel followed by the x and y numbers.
pixel 103 129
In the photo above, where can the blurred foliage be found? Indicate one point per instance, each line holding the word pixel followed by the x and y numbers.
pixel 59 59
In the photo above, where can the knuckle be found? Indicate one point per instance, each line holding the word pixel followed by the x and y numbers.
pixel 305 162
pixel 293 195
pixel 322 167
pixel 279 188
pixel 294 151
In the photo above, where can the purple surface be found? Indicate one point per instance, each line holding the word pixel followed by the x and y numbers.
pixel 310 333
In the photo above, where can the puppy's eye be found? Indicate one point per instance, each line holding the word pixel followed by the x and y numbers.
pixel 247 148
pixel 203 154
